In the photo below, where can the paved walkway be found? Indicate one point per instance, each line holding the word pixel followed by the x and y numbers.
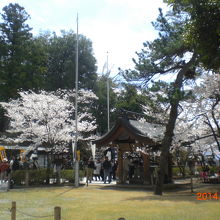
pixel 99 183
pixel 178 184
pixel 3 186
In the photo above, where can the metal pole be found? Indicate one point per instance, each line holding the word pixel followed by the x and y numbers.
pixel 108 94
pixel 76 109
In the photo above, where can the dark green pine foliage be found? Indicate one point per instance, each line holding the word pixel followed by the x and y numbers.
pixel 100 109
pixel 203 29
pixel 130 100
pixel 61 51
pixel 19 56
pixel 168 54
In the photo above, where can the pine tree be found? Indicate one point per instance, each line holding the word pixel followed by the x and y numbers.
pixel 168 54
pixel 17 53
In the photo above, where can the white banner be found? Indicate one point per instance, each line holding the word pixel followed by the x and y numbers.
pixel 93 148
pixel 73 149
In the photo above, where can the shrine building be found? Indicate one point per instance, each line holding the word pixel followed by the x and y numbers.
pixel 142 142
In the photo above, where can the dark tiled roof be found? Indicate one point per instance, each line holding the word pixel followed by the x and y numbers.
pixel 131 131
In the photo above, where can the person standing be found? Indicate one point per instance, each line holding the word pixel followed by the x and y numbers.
pixel 15 165
pixel 126 166
pixel 114 169
pixel 97 170
pixel 4 168
pixel 107 170
pixel 89 170
pixel 1 171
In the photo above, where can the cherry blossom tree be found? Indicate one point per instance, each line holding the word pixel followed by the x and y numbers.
pixel 197 127
pixel 201 114
pixel 47 118
pixel 208 96
pixel 198 123
pixel 157 108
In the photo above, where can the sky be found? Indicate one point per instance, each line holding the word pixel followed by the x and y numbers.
pixel 115 27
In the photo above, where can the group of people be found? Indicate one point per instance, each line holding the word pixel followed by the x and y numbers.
pixel 101 170
pixel 209 176
pixel 4 170
pixel 105 169
pixel 132 168
pixel 7 166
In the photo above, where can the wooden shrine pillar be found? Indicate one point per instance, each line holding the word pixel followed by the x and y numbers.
pixel 146 166
pixel 120 166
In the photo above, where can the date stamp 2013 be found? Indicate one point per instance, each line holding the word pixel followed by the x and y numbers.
pixel 208 196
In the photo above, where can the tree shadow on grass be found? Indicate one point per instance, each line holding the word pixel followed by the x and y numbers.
pixel 174 194
pixel 172 198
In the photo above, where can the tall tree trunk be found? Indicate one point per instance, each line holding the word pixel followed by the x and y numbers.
pixel 169 132
pixel 48 168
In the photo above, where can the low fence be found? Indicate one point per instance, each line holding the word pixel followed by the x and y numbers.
pixel 57 213
pixel 13 210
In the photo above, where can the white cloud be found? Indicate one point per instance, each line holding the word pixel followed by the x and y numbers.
pixel 117 26
pixel 118 40
pixel 121 31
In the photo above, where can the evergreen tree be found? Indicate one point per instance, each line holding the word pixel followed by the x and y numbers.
pixel 100 109
pixel 169 53
pixel 61 61
pixel 19 57
pixel 131 100
pixel 203 28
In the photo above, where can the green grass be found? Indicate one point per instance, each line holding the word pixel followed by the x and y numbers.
pixel 105 203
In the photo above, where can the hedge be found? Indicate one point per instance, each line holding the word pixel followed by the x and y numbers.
pixel 39 176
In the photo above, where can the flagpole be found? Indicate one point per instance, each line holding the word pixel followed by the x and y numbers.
pixel 76 108
pixel 108 95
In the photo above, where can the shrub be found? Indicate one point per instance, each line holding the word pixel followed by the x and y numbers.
pixel 18 177
pixel 69 175
pixel 176 172
pixel 39 176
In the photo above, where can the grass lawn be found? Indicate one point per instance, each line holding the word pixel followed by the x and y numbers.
pixel 105 203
